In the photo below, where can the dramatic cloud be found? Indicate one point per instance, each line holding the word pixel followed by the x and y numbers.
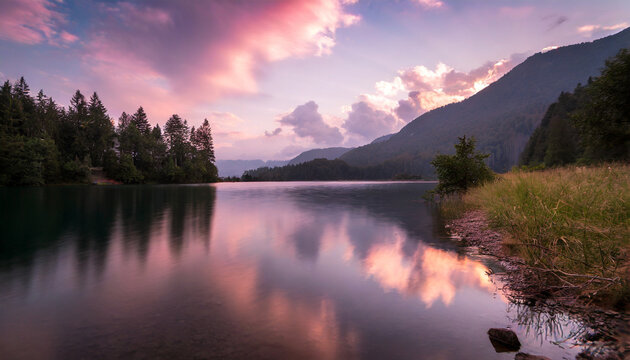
pixel 207 50
pixel 306 121
pixel 430 89
pixel 596 30
pixel 32 22
pixel 383 112
pixel 369 123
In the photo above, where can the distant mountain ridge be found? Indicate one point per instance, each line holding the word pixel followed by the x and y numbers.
pixel 327 153
pixel 502 116
pixel 237 167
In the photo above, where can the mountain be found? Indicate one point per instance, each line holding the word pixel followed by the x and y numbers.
pixel 328 153
pixel 502 116
pixel 237 167
pixel 382 138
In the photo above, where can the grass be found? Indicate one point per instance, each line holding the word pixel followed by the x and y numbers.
pixel 574 221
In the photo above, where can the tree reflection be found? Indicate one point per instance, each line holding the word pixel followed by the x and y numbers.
pixel 40 222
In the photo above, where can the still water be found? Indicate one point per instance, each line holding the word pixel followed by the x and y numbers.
pixel 338 270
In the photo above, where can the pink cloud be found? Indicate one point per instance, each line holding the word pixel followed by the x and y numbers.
pixel 430 3
pixel 68 38
pixel 32 22
pixel 427 89
pixel 590 30
pixel 384 112
pixel 202 51
pixel 444 85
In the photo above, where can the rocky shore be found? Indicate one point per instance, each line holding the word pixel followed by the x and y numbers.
pixel 607 331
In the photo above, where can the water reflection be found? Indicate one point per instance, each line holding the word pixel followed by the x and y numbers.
pixel 430 274
pixel 321 271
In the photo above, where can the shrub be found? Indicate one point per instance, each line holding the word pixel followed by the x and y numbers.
pixel 465 169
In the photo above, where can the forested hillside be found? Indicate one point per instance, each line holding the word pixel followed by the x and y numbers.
pixel 501 117
pixel 44 143
pixel 324 169
pixel 590 125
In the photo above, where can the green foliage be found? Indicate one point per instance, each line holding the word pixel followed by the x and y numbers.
pixel 42 143
pixel 323 169
pixel 590 125
pixel 127 172
pixel 463 170
pixel 604 121
pixel 76 171
pixel 24 161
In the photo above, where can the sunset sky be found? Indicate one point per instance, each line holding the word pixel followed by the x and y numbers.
pixel 278 77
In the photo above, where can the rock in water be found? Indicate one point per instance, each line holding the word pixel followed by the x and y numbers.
pixel 523 356
pixel 504 340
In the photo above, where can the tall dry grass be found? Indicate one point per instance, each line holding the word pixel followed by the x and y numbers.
pixel 573 220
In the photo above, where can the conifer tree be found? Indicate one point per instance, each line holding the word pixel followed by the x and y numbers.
pixel 100 129
pixel 202 141
pixel 141 121
pixel 176 131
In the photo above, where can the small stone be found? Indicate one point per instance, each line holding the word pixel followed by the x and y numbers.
pixel 504 340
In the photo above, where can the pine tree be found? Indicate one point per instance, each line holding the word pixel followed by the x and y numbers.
pixel 202 141
pixel 141 121
pixel 74 133
pixel 123 121
pixel 100 130
pixel 6 103
pixel 176 131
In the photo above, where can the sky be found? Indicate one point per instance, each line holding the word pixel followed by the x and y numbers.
pixel 278 77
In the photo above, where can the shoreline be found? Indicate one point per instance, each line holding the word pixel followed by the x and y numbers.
pixel 610 335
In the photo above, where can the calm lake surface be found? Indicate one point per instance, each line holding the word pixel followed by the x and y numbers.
pixel 337 270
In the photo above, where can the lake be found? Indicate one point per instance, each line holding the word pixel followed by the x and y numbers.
pixel 305 270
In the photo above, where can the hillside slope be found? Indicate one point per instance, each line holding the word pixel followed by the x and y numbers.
pixel 502 116
pixel 327 153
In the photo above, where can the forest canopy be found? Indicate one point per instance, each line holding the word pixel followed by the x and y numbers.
pixel 44 143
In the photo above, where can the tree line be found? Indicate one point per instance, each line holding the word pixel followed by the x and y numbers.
pixel 44 143
pixel 323 169
pixel 589 125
